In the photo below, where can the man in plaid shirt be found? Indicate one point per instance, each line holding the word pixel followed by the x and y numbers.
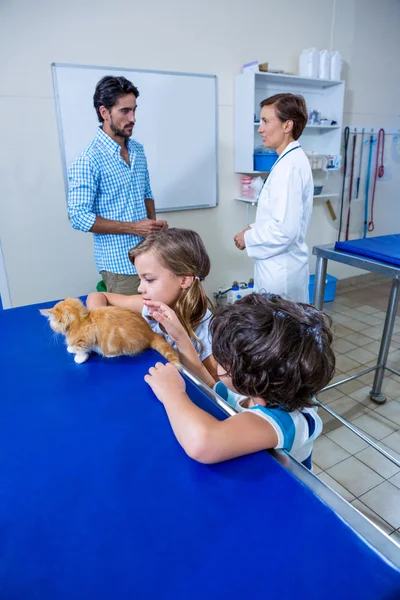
pixel 109 187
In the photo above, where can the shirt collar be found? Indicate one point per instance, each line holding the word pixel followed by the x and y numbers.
pixel 110 144
pixel 289 147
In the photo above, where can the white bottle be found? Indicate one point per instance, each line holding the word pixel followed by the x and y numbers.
pixel 309 63
pixel 324 64
pixel 336 65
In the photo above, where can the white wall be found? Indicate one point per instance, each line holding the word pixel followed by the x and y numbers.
pixel 44 258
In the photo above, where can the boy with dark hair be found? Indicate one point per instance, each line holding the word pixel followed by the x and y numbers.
pixel 273 352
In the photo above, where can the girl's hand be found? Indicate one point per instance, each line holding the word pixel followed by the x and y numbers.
pixel 164 315
pixel 165 381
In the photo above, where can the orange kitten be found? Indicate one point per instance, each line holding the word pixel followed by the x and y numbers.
pixel 110 331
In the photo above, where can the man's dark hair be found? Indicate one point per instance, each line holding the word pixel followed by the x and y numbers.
pixel 274 349
pixel 109 90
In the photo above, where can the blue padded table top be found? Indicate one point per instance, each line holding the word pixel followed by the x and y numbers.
pixel 99 501
pixel 385 248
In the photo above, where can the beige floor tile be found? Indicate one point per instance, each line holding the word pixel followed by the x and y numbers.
pixel 347 408
pixel 375 425
pixel 372 320
pixel 356 325
pixel 373 517
pixel 359 339
pixel 348 440
pixel 350 386
pixel 374 332
pixel 391 387
pixel 329 395
pixel 343 363
pixel 368 378
pixel 344 301
pixel 395 480
pixel 355 476
pixel 342 346
pixel 379 463
pixel 374 347
pixel 341 332
pixel 329 423
pixel 381 314
pixel 362 395
pixel 390 410
pixel 335 485
pixel 316 469
pixel 393 441
pixel 384 499
pixel 354 313
pixel 368 310
pixel 326 453
pixel 361 355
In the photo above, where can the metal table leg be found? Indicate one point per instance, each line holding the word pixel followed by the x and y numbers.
pixel 319 282
pixel 376 393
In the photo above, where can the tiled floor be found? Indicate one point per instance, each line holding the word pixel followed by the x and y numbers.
pixel 341 459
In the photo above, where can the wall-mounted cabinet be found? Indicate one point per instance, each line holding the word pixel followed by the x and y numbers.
pixel 323 95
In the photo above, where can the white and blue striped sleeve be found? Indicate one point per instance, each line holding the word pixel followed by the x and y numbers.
pixel 82 183
pixel 281 421
pixel 148 194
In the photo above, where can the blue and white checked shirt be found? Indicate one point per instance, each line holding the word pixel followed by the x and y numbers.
pixel 102 184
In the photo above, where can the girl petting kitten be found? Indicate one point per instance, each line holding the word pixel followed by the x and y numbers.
pixel 171 265
pixel 277 354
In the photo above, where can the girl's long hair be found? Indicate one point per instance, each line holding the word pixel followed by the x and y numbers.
pixel 182 252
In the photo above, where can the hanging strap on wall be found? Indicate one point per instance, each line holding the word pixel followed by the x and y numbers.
pixel 379 172
pixel 346 144
pixel 351 184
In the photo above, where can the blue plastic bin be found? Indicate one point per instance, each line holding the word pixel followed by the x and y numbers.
pixel 330 288
pixel 264 161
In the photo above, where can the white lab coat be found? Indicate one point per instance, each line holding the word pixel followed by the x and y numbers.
pixel 276 241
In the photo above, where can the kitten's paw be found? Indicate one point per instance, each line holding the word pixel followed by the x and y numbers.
pixel 81 358
pixel 70 349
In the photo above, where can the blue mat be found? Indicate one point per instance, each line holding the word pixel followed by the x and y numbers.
pixel 385 248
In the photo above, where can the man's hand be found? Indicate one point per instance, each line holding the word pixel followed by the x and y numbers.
pixel 165 381
pixel 239 239
pixel 145 227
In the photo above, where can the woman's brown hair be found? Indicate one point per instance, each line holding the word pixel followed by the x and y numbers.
pixel 289 107
pixel 182 252
pixel 274 349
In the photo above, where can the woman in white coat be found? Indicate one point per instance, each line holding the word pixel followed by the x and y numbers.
pixel 276 241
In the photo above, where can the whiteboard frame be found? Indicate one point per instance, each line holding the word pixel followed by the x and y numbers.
pixel 55 66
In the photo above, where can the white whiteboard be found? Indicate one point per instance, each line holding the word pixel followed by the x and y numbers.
pixel 176 123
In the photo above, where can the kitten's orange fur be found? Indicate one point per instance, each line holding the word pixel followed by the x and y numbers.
pixel 110 331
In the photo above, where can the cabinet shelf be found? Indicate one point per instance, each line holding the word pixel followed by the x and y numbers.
pixel 312 126
pixel 323 95
pixel 253 201
pixel 295 80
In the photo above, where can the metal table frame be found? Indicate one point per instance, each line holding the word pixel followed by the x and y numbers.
pixel 328 252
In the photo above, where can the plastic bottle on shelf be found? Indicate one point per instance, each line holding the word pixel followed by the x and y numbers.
pixel 247 190
pixel 324 64
pixel 309 63
pixel 336 65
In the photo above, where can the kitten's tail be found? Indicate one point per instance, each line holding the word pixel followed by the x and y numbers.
pixel 160 344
